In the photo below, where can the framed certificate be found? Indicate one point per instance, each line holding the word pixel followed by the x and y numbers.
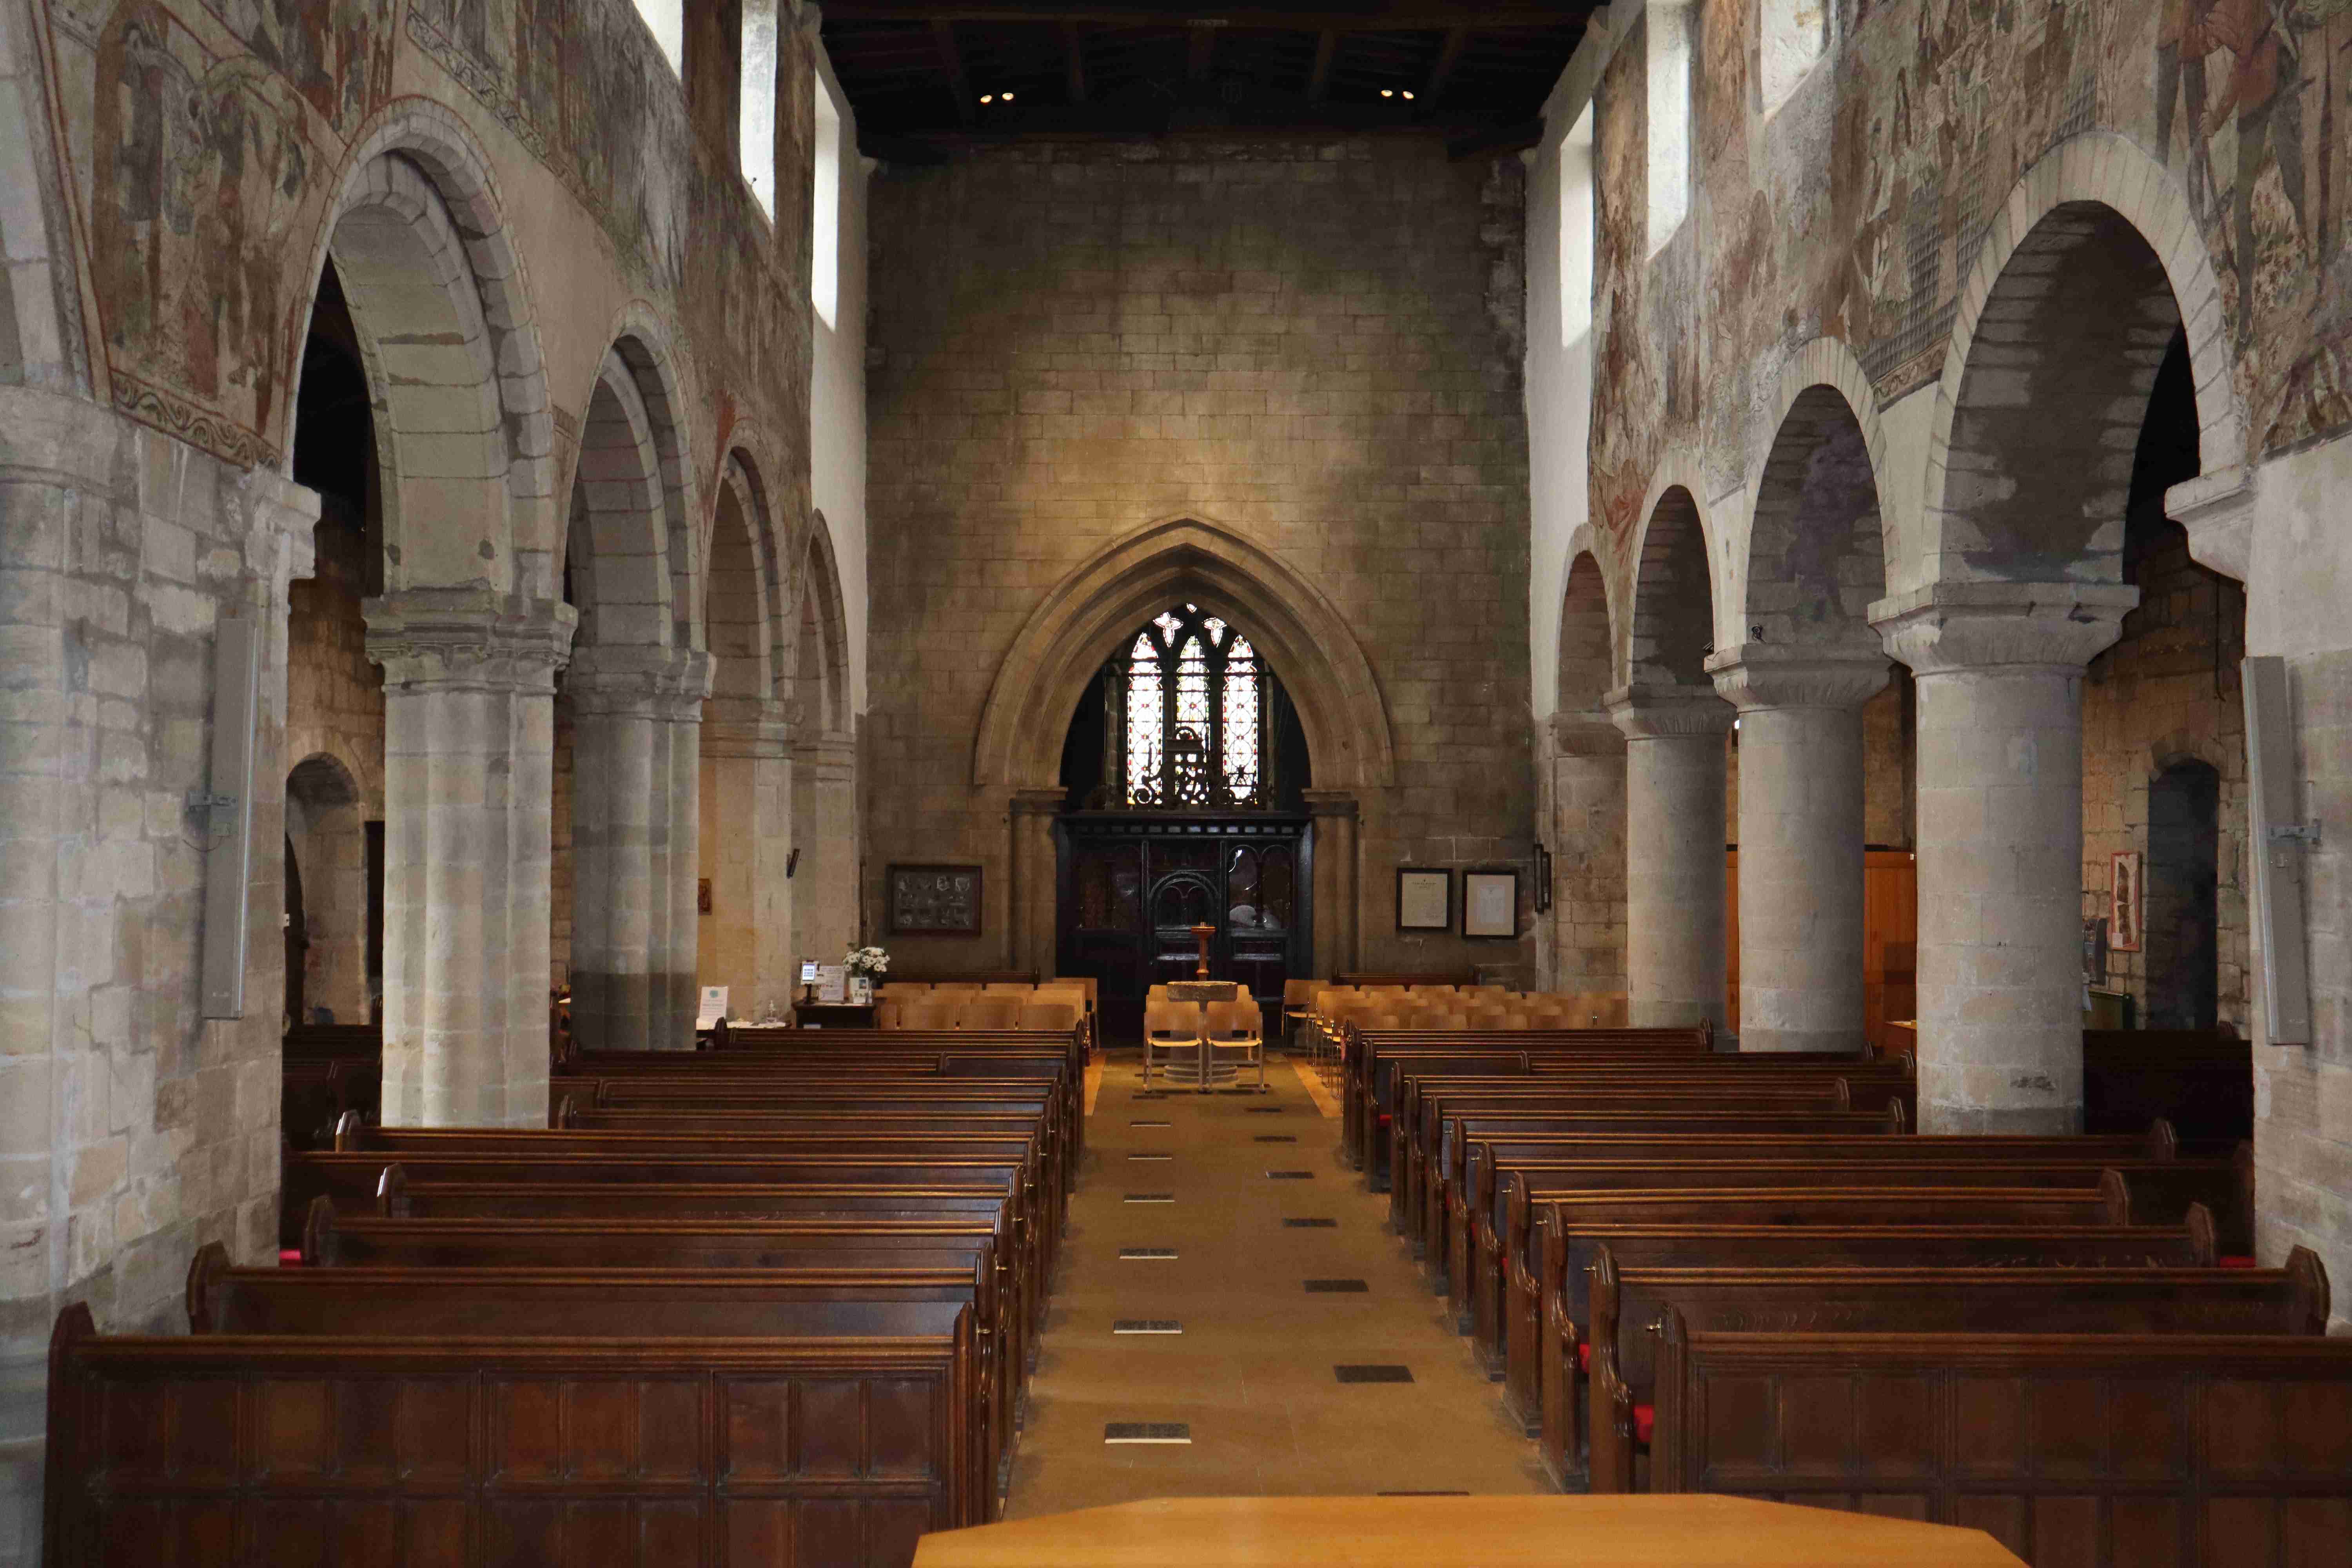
pixel 934 900
pixel 1425 897
pixel 1490 903
pixel 833 983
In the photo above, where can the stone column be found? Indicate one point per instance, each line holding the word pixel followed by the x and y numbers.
pixel 624 705
pixel 1999 668
pixel 1588 815
pixel 469 688
pixel 824 830
pixel 681 713
pixel 1036 877
pixel 1674 853
pixel 1335 913
pixel 1801 837
pixel 746 847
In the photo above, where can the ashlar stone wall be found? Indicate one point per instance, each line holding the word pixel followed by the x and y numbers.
pixel 1315 344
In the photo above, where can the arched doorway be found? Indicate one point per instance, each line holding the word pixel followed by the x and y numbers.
pixel 2183 920
pixel 331 907
pixel 1184 773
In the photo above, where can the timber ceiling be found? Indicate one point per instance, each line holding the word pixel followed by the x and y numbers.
pixel 924 75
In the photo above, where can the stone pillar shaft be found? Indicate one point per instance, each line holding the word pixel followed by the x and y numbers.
pixel 468 739
pixel 1802 925
pixel 635 712
pixel 825 813
pixel 1588 813
pixel 1674 783
pixel 746 944
pixel 1336 826
pixel 2000 671
pixel 1035 881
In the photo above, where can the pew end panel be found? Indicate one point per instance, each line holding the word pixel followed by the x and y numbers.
pixel 2207 1451
pixel 810 1452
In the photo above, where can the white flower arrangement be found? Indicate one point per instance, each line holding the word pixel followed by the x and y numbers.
pixel 867 961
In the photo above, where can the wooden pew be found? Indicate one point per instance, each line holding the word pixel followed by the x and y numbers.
pixel 1412 1137
pixel 1467 1181
pixel 1512 1282
pixel 2201 1078
pixel 833 1300
pixel 544 1448
pixel 1558 1423
pixel 2189 1449
pixel 909 1157
pixel 1625 1302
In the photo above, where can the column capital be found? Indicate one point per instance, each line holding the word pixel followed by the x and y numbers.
pixel 1947 627
pixel 746 726
pixel 1329 803
pixel 1584 733
pixel 639 680
pixel 468 638
pixel 1769 675
pixel 1039 801
pixel 1659 712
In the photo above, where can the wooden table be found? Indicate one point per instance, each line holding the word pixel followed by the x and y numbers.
pixel 1640 1532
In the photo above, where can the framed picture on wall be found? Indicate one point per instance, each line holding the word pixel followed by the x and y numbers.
pixel 934 900
pixel 1425 897
pixel 1490 903
pixel 2124 914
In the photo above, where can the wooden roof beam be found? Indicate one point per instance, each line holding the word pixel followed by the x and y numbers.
pixel 1442 72
pixel 1391 16
pixel 1319 78
pixel 951 65
pixel 1073 61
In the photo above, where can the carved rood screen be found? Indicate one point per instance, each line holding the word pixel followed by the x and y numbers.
pixel 1186 703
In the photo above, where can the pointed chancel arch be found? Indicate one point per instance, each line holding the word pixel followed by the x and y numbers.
pixel 468 629
pixel 1091 614
pixel 1096 608
pixel 2090 273
pixel 1674 725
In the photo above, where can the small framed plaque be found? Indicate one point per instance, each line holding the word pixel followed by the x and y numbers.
pixel 934 900
pixel 1425 897
pixel 832 983
pixel 1490 903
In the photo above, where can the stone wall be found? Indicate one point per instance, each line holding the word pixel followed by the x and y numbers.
pixel 1310 346
pixel 132 1129
pixel 2165 694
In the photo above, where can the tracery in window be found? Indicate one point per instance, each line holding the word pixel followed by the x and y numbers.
pixel 1186 704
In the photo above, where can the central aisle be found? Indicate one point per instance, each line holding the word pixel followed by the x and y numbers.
pixel 1252 1372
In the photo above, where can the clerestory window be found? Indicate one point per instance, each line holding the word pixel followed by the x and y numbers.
pixel 1186 709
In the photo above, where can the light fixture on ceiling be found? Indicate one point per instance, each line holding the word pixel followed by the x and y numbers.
pixel 1408 97
pixel 988 98
pixel 1008 98
pixel 1388 92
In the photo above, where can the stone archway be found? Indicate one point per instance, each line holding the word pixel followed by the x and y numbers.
pixel 1584 788
pixel 827 832
pixel 1017 751
pixel 1060 647
pixel 328 838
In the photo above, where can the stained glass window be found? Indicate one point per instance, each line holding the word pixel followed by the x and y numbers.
pixel 1187 704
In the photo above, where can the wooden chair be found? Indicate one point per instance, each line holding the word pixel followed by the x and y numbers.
pixel 1298 1002
pixel 1061 1016
pixel 1171 1034
pixel 929 1012
pixel 1236 1032
pixel 991 1012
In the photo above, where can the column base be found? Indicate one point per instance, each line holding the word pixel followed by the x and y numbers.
pixel 2041 1121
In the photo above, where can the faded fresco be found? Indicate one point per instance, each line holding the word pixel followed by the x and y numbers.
pixel 216 134
pixel 1932 110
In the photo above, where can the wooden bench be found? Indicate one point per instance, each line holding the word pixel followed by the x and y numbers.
pixel 1546 1409
pixel 1506 1283
pixel 830 1300
pixel 1465 1181
pixel 2201 1078
pixel 546 1449
pixel 1512 1284
pixel 2196 1450
pixel 1367 1060
pixel 1626 1303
